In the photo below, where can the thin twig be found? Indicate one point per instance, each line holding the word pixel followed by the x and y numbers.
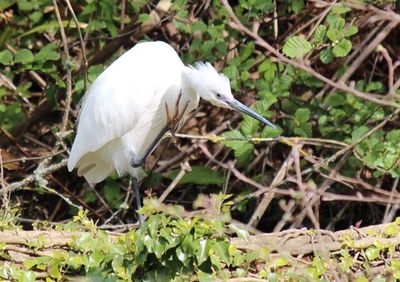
pixel 67 59
pixel 85 61
pixel 184 168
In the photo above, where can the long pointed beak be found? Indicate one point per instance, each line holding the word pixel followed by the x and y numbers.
pixel 246 110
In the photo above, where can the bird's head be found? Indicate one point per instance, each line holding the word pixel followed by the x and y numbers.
pixel 216 89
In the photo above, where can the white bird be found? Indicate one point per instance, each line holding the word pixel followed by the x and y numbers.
pixel 134 102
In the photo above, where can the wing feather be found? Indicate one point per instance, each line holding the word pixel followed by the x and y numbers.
pixel 123 94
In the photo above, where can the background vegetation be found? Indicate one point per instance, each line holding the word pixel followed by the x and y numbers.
pixel 327 73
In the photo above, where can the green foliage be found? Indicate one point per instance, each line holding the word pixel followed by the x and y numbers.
pixel 296 47
pixel 380 151
pixel 166 247
pixel 199 175
pixel 170 246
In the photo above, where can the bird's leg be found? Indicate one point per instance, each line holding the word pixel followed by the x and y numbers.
pixel 172 121
pixel 136 187
pixel 139 161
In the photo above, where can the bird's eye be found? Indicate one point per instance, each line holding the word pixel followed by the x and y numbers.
pixel 219 95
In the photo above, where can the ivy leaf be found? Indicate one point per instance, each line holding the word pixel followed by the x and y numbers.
pixel 23 56
pixel 342 48
pixel 221 249
pixel 202 251
pixel 296 47
pixel 6 57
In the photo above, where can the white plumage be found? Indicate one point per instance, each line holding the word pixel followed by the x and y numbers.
pixel 124 109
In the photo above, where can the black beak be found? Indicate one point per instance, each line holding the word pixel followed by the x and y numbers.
pixel 246 110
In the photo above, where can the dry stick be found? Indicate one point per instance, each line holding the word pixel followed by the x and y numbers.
pixel 330 197
pixel 389 61
pixel 391 210
pixel 37 175
pixel 185 167
pixel 122 24
pixel 6 195
pixel 341 86
pixel 316 197
pixel 24 159
pixel 69 72
pixel 384 14
pixel 267 198
pixel 282 139
pixel 396 84
pixel 85 61
pixel 231 167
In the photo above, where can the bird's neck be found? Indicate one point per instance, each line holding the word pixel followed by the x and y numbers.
pixel 188 88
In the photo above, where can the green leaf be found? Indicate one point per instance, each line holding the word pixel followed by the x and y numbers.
pixel 372 252
pixel 296 47
pixel 297 6
pixel 351 30
pixel 143 17
pixel 199 175
pixel 199 26
pixel 336 26
pixel 374 86
pixel 359 132
pixel 303 129
pixel 391 230
pixel 336 23
pixel 221 249
pixel 231 72
pixel 326 56
pixel 340 9
pixel 243 149
pixel 4 4
pixel 302 115
pixel 23 56
pixel 319 34
pixel 52 25
pixel 241 233
pixel 48 53
pixel 205 277
pixel 342 48
pixel 112 193
pixel 202 251
pixel 335 100
pixel 6 57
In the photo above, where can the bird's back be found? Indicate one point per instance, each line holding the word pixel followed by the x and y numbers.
pixel 128 91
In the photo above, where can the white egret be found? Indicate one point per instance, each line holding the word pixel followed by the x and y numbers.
pixel 134 102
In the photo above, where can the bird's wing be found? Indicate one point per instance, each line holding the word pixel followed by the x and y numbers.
pixel 123 94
